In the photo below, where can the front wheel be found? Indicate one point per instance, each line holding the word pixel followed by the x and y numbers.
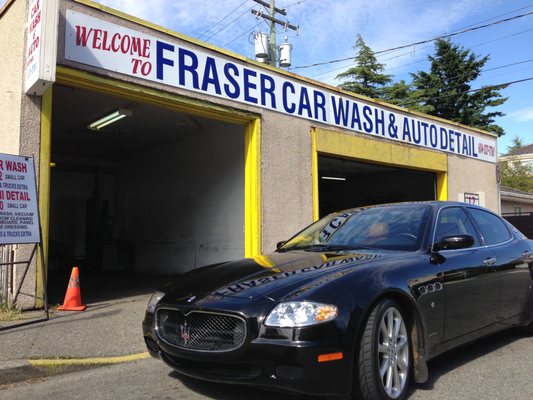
pixel 385 354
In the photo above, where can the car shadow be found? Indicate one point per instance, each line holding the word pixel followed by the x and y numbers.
pixel 97 287
pixel 221 391
pixel 453 359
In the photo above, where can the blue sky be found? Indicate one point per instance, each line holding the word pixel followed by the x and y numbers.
pixel 328 29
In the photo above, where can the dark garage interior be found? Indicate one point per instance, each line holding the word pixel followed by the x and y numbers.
pixel 158 192
pixel 349 183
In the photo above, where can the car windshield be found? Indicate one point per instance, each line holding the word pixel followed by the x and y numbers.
pixel 386 228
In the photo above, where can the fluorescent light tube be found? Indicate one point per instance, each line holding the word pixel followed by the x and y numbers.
pixel 109 119
pixel 333 178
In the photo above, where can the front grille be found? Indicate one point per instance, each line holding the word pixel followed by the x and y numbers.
pixel 200 330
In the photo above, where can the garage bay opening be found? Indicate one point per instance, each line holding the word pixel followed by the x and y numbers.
pixel 345 183
pixel 141 188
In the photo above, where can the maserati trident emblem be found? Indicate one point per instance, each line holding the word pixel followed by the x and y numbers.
pixel 185 333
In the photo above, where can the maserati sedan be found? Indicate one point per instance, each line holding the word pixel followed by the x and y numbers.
pixel 353 305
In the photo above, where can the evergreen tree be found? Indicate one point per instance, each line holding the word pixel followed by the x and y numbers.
pixel 402 93
pixel 446 90
pixel 366 77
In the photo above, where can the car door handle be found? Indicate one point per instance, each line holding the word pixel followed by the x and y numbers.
pixel 489 261
pixel 527 254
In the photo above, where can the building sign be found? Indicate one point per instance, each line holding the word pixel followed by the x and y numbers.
pixel 104 45
pixel 19 215
pixel 41 46
pixel 472 198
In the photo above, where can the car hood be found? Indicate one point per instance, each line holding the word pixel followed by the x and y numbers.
pixel 274 275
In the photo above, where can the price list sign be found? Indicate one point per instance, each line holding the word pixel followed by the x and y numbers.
pixel 19 214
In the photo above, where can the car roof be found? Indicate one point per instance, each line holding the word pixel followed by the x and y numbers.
pixel 437 204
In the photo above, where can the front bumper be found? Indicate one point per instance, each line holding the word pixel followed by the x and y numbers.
pixel 271 363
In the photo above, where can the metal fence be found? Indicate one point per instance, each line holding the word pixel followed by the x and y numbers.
pixel 522 222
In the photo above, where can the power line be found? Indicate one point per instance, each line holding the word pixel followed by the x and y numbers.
pixel 244 33
pixel 473 90
pixel 496 86
pixel 422 41
pixel 457 33
pixel 295 4
pixel 471 47
pixel 229 23
pixel 485 70
pixel 420 60
pixel 497 16
pixel 222 19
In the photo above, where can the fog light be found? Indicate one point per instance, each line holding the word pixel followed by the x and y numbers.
pixel 289 372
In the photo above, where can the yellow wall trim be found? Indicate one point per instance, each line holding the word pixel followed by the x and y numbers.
pixel 44 189
pixel 80 79
pixel 252 189
pixel 314 173
pixel 442 186
pixel 378 152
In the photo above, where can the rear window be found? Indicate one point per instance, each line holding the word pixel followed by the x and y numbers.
pixel 492 228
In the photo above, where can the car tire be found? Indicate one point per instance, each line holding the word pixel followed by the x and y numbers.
pixel 385 356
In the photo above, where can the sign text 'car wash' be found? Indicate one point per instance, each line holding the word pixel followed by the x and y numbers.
pixel 102 44
pixel 19 216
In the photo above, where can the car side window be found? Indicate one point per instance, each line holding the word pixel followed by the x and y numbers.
pixel 454 221
pixel 491 226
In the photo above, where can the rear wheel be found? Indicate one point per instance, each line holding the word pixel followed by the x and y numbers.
pixel 385 354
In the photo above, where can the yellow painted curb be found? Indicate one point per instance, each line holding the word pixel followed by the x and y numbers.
pixel 88 361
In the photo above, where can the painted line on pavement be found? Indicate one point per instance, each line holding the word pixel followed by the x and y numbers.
pixel 88 361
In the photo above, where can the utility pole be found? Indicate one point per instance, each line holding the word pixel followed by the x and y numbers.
pixel 273 21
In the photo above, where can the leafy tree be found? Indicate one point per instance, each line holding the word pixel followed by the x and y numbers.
pixel 516 144
pixel 446 91
pixel 514 173
pixel 366 77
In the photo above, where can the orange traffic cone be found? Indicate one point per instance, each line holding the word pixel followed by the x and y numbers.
pixel 73 296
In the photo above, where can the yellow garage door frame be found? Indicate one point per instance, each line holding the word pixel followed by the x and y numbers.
pixel 359 148
pixel 252 157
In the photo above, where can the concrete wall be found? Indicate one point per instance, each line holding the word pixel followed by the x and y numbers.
pixel 12 45
pixel 169 209
pixel 21 122
pixel 466 175
pixel 184 202
pixel 287 195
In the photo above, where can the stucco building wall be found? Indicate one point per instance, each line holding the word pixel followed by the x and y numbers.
pixel 12 45
pixel 467 175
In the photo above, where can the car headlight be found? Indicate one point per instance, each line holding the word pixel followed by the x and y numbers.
pixel 300 313
pixel 156 298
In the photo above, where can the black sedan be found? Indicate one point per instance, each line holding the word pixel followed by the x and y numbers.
pixel 355 304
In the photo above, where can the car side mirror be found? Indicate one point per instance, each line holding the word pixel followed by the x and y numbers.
pixel 279 244
pixel 454 242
